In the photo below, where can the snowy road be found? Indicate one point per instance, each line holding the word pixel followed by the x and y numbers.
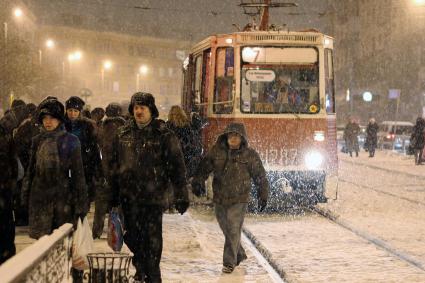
pixel 385 212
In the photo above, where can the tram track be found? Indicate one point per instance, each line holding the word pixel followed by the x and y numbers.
pixel 383 192
pixel 369 238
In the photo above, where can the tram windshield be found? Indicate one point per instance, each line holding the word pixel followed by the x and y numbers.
pixel 280 80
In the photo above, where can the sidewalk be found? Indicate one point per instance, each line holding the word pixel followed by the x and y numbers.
pixel 193 247
pixel 386 160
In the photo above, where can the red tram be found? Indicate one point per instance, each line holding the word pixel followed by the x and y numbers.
pixel 281 86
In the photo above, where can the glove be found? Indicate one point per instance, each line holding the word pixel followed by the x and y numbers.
pixel 181 206
pixel 198 189
pixel 262 204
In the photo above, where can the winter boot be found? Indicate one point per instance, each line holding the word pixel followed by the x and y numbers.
pixel 357 154
pixel 227 269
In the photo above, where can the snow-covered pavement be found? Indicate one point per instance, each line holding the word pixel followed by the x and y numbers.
pixel 380 206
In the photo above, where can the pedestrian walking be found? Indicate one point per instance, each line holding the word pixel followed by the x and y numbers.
pixel 234 165
pixel 8 176
pixel 55 177
pixel 372 136
pixel 417 139
pixel 107 132
pixel 146 157
pixel 351 132
pixel 85 130
pixel 97 115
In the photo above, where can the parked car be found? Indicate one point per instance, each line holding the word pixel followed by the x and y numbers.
pixel 394 135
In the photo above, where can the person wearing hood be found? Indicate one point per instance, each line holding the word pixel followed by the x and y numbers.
pixel 107 131
pixel 8 177
pixel 55 175
pixel 147 157
pixel 234 165
pixel 85 130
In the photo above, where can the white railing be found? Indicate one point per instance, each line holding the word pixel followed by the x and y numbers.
pixel 47 260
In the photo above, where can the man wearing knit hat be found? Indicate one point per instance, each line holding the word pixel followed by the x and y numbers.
pixel 85 130
pixel 146 158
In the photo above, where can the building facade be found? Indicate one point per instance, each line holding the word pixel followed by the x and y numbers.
pixel 113 66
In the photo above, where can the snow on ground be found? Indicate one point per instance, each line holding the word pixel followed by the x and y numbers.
pixel 193 246
pixel 386 159
pixel 313 249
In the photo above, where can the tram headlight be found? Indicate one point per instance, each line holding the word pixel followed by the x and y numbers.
pixel 313 159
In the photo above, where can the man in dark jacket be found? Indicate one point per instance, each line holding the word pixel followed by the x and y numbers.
pixel 146 158
pixel 85 130
pixel 107 132
pixel 55 177
pixel 9 173
pixel 234 165
pixel 372 137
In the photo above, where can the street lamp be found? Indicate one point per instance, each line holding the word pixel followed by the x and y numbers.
pixel 107 65
pixel 18 12
pixel 143 70
pixel 50 44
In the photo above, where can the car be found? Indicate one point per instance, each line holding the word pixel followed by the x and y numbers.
pixel 394 135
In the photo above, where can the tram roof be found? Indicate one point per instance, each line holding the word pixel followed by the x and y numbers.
pixel 266 37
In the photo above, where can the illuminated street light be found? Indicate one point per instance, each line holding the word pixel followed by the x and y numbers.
pixel 143 69
pixel 75 56
pixel 18 12
pixel 367 96
pixel 107 65
pixel 50 44
pixel 420 2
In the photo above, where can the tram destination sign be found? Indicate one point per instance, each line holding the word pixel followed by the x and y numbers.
pixel 260 75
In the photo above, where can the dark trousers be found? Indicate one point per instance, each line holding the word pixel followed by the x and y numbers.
pixel 371 150
pixel 7 225
pixel 230 218
pixel 143 225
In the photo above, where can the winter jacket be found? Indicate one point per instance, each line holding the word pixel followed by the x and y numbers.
pixel 145 161
pixel 351 132
pixel 417 139
pixel 22 136
pixel 85 130
pixel 233 170
pixel 191 147
pixel 55 180
pixel 372 135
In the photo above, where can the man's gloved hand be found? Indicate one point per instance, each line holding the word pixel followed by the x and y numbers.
pixel 198 189
pixel 181 206
pixel 262 203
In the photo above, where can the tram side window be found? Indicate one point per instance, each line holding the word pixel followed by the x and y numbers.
pixel 197 85
pixel 224 73
pixel 329 82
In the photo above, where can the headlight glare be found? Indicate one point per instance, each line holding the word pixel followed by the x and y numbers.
pixel 313 159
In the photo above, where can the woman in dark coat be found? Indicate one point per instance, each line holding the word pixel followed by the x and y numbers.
pixel 417 140
pixel 55 177
pixel 372 137
pixel 179 123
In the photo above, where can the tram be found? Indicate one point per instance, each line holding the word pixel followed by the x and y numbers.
pixel 280 85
